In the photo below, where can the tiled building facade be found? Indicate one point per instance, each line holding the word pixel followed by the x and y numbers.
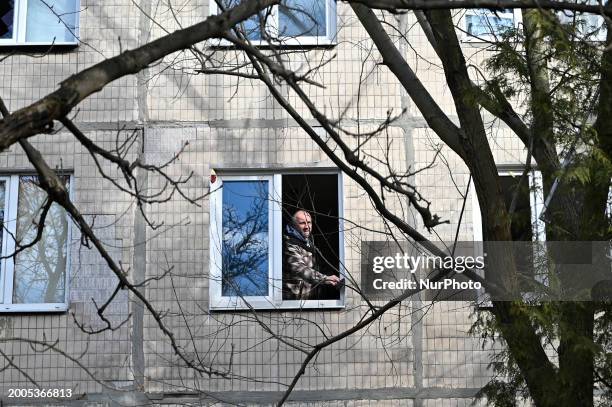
pixel 419 353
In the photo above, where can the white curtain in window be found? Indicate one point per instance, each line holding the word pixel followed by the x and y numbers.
pixel 51 20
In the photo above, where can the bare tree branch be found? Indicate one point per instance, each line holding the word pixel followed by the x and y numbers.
pixel 56 190
pixel 430 110
pixel 395 5
pixel 39 116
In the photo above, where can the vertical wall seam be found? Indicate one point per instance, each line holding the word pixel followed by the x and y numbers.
pixel 416 318
pixel 139 275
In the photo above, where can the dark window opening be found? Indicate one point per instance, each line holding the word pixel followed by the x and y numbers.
pixel 515 188
pixel 521 227
pixel 316 194
pixel 7 15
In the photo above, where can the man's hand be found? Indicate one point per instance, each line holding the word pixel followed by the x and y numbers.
pixel 332 280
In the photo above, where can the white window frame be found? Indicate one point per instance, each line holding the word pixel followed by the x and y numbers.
pixel 217 301
pixel 7 265
pixel 20 22
pixel 467 37
pixel 274 298
pixel 330 37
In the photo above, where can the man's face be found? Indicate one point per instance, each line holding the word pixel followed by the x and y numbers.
pixel 303 222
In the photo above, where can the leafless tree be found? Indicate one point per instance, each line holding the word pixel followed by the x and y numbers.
pixel 576 206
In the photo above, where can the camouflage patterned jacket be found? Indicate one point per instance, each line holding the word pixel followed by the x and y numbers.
pixel 300 274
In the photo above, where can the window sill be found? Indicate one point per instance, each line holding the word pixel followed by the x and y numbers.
pixel 325 305
pixel 312 42
pixel 481 41
pixel 38 46
pixel 33 308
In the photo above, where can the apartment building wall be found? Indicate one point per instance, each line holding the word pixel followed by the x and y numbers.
pixel 418 354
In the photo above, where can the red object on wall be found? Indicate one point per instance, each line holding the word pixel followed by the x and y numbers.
pixel 213 176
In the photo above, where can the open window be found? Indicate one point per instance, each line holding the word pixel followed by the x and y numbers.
pixel 525 196
pixel 253 236
pixel 35 278
pixel 292 22
pixel 38 22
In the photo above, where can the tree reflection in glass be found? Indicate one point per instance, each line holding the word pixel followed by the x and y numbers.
pixel 40 270
pixel 302 18
pixel 245 238
pixel 252 26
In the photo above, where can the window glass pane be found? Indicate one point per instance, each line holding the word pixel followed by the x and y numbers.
pixel 7 14
pixel 585 24
pixel 485 22
pixel 53 21
pixel 310 254
pixel 302 18
pixel 252 26
pixel 245 238
pixel 40 271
